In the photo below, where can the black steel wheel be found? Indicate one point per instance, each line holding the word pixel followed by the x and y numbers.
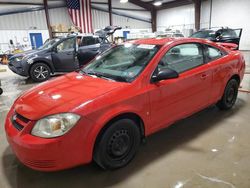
pixel 40 72
pixel 230 95
pixel 117 145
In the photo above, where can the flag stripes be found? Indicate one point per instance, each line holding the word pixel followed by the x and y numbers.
pixel 80 13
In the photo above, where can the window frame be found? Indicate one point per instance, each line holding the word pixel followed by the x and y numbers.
pixel 206 51
pixel 60 42
pixel 196 43
pixel 95 39
pixel 223 31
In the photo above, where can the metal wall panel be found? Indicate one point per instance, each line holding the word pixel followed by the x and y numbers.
pixel 181 18
pixel 60 16
pixel 27 20
pixel 101 19
pixel 35 19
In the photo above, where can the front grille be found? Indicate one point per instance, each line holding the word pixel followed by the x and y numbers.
pixel 19 122
pixel 24 119
pixel 17 125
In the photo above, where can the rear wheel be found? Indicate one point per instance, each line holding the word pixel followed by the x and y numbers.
pixel 1 91
pixel 40 72
pixel 117 146
pixel 230 95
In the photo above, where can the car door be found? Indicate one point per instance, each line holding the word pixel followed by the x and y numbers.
pixel 230 36
pixel 174 99
pixel 217 60
pixel 64 55
pixel 88 49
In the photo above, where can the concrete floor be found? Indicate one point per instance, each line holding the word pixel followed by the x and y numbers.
pixel 208 150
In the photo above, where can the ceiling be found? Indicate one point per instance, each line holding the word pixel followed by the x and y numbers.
pixel 15 6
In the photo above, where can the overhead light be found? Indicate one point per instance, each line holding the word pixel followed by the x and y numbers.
pixel 123 1
pixel 157 3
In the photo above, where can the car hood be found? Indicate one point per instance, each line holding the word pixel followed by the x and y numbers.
pixel 28 54
pixel 25 53
pixel 62 94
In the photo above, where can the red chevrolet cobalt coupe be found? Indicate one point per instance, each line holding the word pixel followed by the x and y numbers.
pixel 103 111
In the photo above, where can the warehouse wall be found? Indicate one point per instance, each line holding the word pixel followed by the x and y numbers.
pixel 16 27
pixel 231 13
pixel 20 38
pixel 101 19
pixel 35 19
pixel 181 18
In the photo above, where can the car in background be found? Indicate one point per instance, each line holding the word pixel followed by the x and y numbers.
pixel 62 54
pixel 103 111
pixel 164 35
pixel 224 35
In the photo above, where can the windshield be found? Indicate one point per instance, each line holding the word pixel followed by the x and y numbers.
pixel 204 34
pixel 123 62
pixel 48 44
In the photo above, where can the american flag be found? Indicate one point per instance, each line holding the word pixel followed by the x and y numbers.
pixel 80 13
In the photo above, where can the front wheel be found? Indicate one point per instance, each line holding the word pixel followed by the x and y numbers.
pixel 117 146
pixel 230 95
pixel 40 72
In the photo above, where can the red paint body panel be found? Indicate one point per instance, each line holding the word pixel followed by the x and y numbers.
pixel 97 101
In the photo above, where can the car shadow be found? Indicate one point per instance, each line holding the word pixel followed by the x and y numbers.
pixel 158 145
pixel 28 80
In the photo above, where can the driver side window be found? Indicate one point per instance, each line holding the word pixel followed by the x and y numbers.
pixel 66 45
pixel 182 57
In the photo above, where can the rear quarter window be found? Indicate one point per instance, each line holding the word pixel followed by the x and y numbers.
pixel 213 53
pixel 229 33
pixel 86 41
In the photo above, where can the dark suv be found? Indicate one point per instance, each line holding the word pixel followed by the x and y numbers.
pixel 64 54
pixel 226 35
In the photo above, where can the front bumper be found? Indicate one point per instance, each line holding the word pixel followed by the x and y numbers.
pixel 17 68
pixel 46 154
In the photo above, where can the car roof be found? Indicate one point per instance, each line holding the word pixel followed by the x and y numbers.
pixel 215 29
pixel 163 41
pixel 154 41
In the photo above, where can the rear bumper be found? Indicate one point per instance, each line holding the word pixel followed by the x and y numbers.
pixel 46 154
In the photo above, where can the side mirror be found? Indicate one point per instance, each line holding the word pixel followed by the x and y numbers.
pixel 164 74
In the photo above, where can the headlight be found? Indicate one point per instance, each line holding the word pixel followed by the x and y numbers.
pixel 20 58
pixel 54 125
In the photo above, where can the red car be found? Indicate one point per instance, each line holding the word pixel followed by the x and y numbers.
pixel 103 111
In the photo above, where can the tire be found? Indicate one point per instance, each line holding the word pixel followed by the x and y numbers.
pixel 1 91
pixel 118 144
pixel 230 95
pixel 40 72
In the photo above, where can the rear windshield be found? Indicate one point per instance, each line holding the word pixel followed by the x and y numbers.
pixel 89 40
pixel 229 33
pixel 204 34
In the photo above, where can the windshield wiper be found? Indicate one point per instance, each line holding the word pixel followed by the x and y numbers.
pixel 86 72
pixel 120 78
pixel 105 76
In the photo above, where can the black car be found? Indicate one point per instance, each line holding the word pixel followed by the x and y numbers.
pixel 226 35
pixel 63 54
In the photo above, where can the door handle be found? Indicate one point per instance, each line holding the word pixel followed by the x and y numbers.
pixel 203 76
